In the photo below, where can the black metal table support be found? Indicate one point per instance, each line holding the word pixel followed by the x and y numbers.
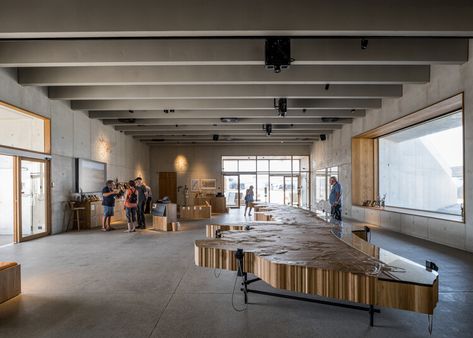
pixel 240 256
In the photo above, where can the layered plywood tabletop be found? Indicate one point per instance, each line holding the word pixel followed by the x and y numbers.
pixel 299 251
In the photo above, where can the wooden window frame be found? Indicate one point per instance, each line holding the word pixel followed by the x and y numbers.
pixel 46 131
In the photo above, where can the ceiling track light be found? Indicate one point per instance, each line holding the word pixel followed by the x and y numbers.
pixel 268 129
pixel 281 107
pixel 327 86
pixel 364 43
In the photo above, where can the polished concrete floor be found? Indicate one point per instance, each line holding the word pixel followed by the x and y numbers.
pixel 5 240
pixel 145 284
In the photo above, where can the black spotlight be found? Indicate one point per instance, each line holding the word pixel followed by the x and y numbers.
pixel 277 54
pixel 131 111
pixel 281 107
pixel 323 137
pixel 215 137
pixel 364 43
pixel 269 129
pixel 327 86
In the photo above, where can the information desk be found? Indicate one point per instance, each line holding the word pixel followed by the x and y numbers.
pixel 301 252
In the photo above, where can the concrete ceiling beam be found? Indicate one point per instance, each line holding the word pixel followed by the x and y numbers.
pixel 225 127
pixel 222 104
pixel 221 75
pixel 173 52
pixel 342 113
pixel 144 18
pixel 223 92
pixel 211 122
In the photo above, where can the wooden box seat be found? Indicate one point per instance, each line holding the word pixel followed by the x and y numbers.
pixel 10 280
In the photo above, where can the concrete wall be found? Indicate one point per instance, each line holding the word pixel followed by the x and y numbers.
pixel 446 81
pixel 75 135
pixel 206 161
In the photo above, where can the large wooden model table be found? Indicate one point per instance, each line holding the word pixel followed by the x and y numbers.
pixel 301 252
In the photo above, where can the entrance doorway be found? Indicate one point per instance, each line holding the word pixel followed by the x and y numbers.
pixel 7 205
pixel 235 186
pixel 24 199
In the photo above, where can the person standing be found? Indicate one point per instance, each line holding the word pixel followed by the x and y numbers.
pixel 131 202
pixel 149 200
pixel 335 199
pixel 249 198
pixel 142 197
pixel 108 203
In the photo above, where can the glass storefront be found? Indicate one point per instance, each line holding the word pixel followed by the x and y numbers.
pixel 276 179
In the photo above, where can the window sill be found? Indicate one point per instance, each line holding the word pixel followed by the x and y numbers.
pixel 428 214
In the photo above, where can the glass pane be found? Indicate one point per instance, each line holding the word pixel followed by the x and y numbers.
pixel 296 165
pixel 230 165
pixel 6 200
pixel 304 190
pixel 280 165
pixel 33 197
pixel 247 165
pixel 263 165
pixel 320 187
pixel 276 189
pixel 25 131
pixel 262 193
pixel 422 167
pixel 230 190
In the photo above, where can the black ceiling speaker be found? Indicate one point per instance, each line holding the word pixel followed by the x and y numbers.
pixel 277 54
pixel 215 137
pixel 323 137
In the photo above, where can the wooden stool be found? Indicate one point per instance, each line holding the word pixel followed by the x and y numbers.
pixel 75 210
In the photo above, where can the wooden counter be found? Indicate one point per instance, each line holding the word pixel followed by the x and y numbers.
pixel 218 203
pixel 303 253
pixel 91 217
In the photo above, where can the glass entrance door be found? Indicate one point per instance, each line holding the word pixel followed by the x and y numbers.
pixel 231 191
pixel 34 197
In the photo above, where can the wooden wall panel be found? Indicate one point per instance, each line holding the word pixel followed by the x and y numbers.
pixel 363 170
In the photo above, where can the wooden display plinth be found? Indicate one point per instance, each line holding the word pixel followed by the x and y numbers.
pixel 10 280
pixel 195 212
pixel 263 216
pixel 161 223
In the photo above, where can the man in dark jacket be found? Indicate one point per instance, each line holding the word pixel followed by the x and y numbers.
pixel 142 197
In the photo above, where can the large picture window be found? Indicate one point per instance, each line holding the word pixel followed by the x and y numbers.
pixel 421 167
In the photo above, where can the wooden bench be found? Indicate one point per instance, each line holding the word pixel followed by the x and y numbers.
pixel 10 280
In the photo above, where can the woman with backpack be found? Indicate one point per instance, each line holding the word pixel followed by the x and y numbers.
pixel 131 203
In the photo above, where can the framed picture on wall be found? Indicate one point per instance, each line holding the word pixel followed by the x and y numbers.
pixel 195 184
pixel 208 183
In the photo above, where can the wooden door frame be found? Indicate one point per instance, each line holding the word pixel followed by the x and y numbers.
pixel 18 234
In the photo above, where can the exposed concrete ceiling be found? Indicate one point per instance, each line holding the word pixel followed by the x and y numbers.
pixel 172 70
